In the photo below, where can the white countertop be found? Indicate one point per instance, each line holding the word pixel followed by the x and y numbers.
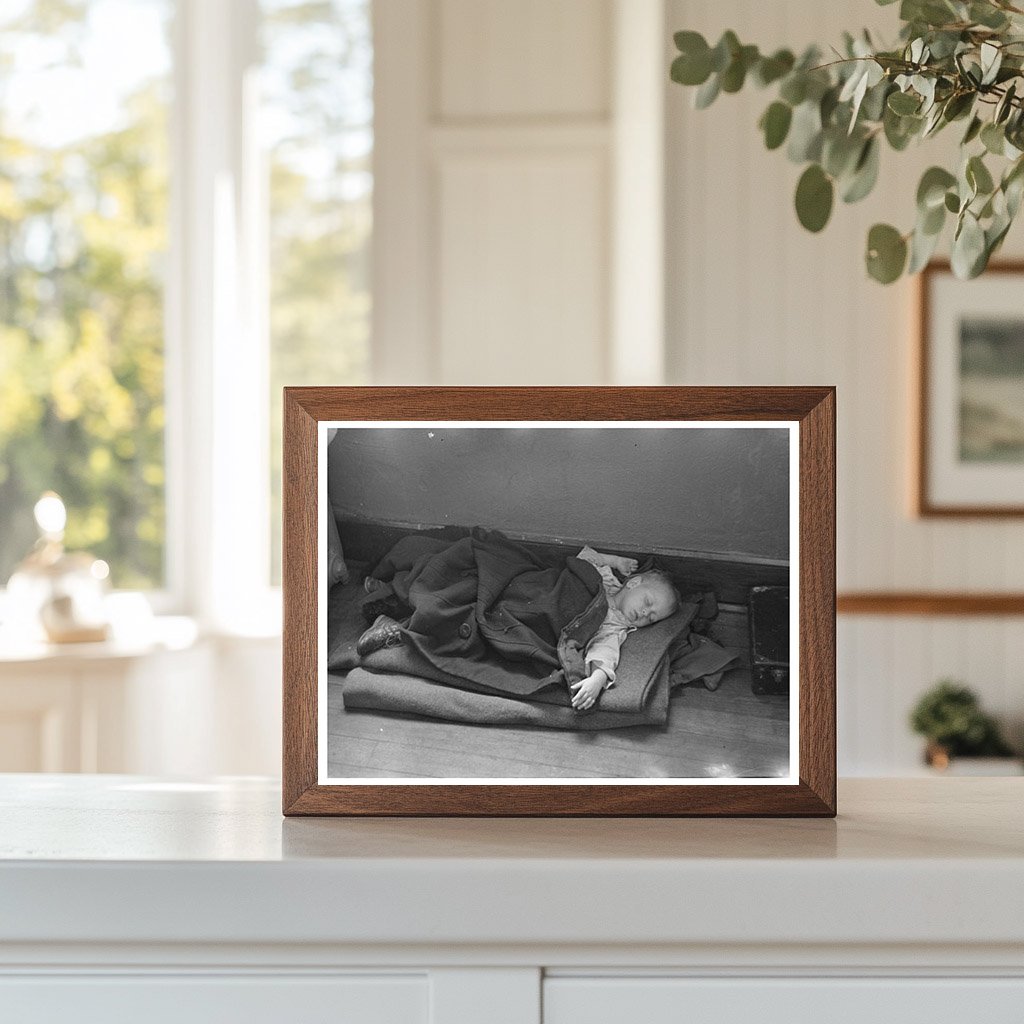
pixel 121 859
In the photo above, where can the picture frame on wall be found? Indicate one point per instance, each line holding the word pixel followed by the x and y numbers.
pixel 559 601
pixel 970 419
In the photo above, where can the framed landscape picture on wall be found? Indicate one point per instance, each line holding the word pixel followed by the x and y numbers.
pixel 572 601
pixel 970 451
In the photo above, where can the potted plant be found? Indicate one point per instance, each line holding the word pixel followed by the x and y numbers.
pixel 950 717
pixel 956 62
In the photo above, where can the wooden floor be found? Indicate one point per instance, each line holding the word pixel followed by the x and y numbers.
pixel 730 733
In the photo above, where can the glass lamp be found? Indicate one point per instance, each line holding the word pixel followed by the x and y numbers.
pixel 55 595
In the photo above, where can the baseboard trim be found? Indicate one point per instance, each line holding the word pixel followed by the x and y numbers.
pixel 927 603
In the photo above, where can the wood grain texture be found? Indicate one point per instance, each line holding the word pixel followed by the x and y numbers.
pixel 817 599
pixel 923 503
pixel 299 596
pixel 925 603
pixel 812 407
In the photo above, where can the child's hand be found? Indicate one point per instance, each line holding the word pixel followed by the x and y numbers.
pixel 586 691
pixel 624 566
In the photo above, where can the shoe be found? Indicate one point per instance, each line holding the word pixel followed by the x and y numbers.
pixel 384 632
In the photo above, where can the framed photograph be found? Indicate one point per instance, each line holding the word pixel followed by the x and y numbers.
pixel 970 451
pixel 559 601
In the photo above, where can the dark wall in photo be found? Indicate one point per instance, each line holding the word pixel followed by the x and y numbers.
pixel 718 490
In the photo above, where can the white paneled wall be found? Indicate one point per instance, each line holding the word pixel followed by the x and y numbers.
pixel 754 299
pixel 506 315
pixel 503 130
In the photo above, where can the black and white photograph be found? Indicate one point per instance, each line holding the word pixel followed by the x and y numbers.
pixel 558 601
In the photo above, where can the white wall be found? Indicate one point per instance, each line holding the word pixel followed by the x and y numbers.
pixel 507 136
pixel 754 299
pixel 518 240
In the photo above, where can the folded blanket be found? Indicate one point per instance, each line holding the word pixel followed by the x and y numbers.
pixel 412 695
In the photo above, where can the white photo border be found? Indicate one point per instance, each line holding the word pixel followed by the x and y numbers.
pixel 323 434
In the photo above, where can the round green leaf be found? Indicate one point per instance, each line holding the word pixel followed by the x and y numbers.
pixel 688 42
pixel 973 129
pixel 805 133
pixel 922 248
pixel 775 123
pixel 987 15
pixel 865 173
pixel 887 253
pixel 952 202
pixel 814 198
pixel 840 152
pixel 903 103
pixel 900 130
pixel 794 89
pixel 770 69
pixel 931 221
pixel 978 176
pixel 707 93
pixel 993 138
pixel 725 49
pixel 932 189
pixel 968 256
pixel 735 74
pixel 958 106
pixel 693 65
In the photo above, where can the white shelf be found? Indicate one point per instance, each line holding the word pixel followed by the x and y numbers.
pixel 914 897
pixel 120 858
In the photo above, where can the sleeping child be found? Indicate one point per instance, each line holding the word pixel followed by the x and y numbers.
pixel 641 600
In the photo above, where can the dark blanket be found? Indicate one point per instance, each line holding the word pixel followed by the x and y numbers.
pixel 489 615
pixel 513 666
pixel 644 659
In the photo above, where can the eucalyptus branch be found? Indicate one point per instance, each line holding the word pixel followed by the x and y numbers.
pixel 834 116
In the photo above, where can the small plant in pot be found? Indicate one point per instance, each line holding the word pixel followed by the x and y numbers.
pixel 950 717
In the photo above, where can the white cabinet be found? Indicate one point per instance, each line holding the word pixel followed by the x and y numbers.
pixel 823 1000
pixel 134 898
pixel 201 999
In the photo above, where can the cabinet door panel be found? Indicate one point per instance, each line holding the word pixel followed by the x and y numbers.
pixel 782 1000
pixel 202 999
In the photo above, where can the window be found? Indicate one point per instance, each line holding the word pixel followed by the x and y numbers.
pixel 83 236
pixel 185 220
pixel 317 125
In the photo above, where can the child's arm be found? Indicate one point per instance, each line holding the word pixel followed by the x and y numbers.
pixel 602 656
pixel 586 691
pixel 625 566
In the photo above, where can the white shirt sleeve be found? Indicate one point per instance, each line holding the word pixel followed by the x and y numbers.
pixel 603 649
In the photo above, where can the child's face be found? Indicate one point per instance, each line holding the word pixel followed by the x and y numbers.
pixel 646 601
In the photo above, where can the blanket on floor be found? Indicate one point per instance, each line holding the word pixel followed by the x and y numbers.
pixel 488 614
pixel 412 694
pixel 462 587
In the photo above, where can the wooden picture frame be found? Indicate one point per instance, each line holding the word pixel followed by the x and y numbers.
pixel 676 417
pixel 969 447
